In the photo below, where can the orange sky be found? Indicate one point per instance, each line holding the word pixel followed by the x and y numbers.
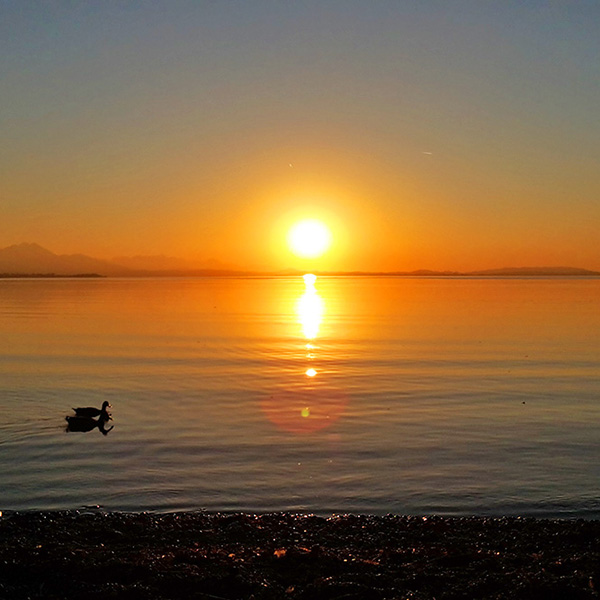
pixel 426 135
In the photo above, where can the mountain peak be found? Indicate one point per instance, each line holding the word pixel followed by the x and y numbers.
pixel 28 247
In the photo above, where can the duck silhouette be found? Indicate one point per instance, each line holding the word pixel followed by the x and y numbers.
pixel 85 424
pixel 90 411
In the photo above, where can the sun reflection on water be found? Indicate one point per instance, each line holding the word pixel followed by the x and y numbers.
pixel 311 403
pixel 310 308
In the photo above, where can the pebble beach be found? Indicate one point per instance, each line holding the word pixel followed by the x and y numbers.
pixel 218 556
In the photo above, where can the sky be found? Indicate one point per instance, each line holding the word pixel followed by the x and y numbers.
pixel 454 135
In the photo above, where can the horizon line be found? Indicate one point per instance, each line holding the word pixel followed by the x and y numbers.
pixel 233 273
pixel 60 267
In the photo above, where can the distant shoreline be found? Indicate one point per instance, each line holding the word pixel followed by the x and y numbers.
pixel 32 260
pixel 508 273
pixel 50 276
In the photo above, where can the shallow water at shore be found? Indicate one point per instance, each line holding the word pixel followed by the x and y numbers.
pixel 453 396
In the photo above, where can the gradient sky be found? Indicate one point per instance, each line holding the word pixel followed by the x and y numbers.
pixel 427 134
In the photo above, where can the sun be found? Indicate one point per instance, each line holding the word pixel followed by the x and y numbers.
pixel 309 238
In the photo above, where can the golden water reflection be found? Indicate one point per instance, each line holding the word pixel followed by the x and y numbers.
pixel 310 308
pixel 310 403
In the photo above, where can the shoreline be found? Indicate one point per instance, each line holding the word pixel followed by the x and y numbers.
pixel 216 556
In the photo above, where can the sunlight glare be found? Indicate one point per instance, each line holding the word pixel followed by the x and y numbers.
pixel 310 308
pixel 309 279
pixel 309 238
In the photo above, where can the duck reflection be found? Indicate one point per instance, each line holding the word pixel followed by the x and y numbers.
pixel 85 424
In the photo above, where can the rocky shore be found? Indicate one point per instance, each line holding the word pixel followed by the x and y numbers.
pixel 90 554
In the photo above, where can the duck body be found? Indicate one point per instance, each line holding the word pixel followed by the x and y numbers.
pixel 91 411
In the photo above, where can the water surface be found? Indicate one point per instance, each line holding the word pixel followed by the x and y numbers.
pixel 425 395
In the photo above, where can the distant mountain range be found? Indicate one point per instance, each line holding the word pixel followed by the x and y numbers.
pixel 32 259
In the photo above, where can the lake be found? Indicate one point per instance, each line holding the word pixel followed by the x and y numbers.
pixel 455 396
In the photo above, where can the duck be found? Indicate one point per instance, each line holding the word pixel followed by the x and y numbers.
pixel 90 411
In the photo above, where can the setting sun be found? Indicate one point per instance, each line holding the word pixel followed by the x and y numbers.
pixel 309 238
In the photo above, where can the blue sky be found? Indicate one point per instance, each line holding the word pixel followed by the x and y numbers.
pixel 437 134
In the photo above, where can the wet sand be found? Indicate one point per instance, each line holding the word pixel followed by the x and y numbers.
pixel 206 556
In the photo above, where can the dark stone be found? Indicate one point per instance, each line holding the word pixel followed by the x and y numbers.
pixel 285 556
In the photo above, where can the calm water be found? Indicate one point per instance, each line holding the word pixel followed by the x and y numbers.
pixel 453 396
